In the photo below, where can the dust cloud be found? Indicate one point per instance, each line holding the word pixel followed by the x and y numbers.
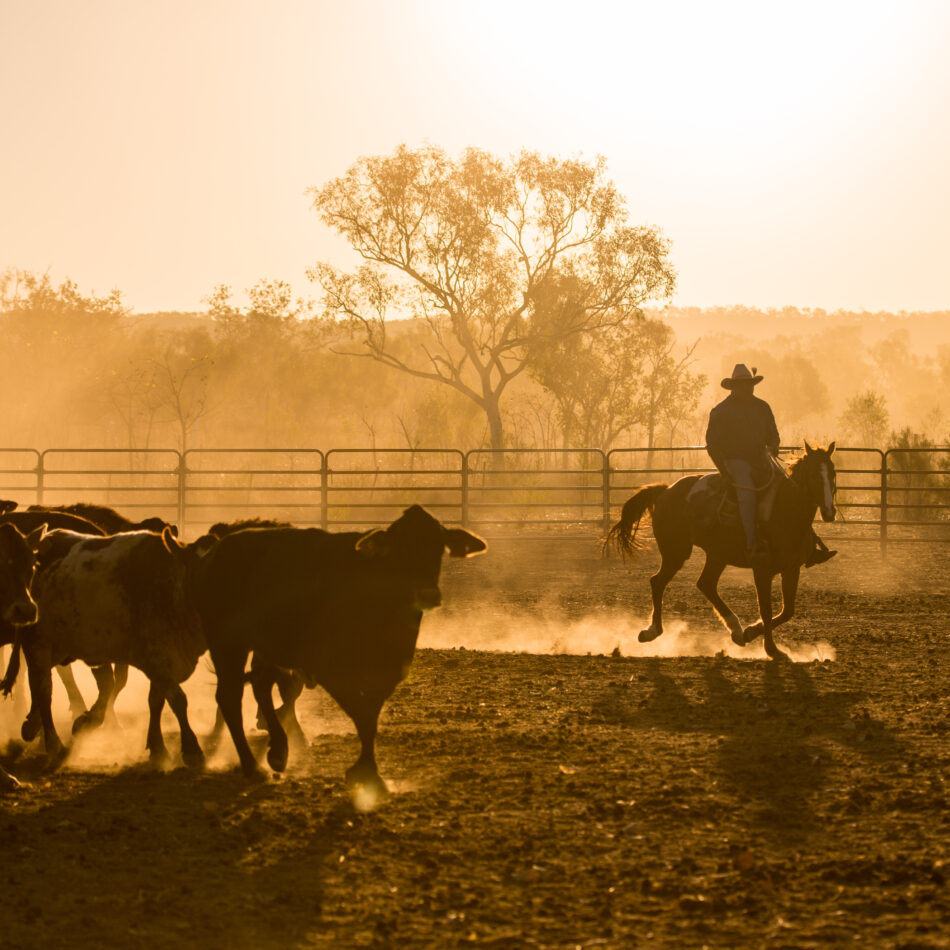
pixel 600 632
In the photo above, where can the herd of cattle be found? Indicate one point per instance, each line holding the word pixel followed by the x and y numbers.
pixel 306 606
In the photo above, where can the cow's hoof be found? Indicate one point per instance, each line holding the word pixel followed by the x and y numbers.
pixel 277 757
pixel 85 722
pixel 648 635
pixel 30 729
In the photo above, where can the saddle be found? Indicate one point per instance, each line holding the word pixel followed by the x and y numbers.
pixel 711 501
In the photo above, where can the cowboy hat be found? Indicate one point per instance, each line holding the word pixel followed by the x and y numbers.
pixel 741 374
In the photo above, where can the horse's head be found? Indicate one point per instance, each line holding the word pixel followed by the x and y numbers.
pixel 816 473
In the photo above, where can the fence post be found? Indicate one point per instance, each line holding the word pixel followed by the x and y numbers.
pixel 606 492
pixel 182 488
pixel 465 500
pixel 324 491
pixel 884 504
pixel 40 476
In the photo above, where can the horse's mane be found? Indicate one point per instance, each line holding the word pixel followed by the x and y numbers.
pixel 799 459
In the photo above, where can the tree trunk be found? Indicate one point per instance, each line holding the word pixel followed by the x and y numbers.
pixel 495 428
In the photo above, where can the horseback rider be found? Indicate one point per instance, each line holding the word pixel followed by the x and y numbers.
pixel 743 442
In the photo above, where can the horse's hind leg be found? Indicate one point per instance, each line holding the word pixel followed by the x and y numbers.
pixel 708 583
pixel 674 557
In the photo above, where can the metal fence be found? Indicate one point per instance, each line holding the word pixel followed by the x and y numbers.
pixel 884 497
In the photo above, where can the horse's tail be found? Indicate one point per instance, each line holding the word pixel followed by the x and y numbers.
pixel 624 533
pixel 13 667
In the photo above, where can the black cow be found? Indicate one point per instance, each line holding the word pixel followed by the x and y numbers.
pixel 30 520
pixel 108 519
pixel 341 610
pixel 26 521
pixel 17 607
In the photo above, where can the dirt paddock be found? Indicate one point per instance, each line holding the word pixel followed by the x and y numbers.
pixel 687 795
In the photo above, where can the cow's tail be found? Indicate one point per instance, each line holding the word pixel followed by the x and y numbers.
pixel 624 533
pixel 13 667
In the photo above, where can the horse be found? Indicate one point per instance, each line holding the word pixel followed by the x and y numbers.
pixel 810 487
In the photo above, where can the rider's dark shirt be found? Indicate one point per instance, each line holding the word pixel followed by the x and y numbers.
pixel 741 430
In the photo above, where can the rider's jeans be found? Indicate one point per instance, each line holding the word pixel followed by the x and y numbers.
pixel 741 472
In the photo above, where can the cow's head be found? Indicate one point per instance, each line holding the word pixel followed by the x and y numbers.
pixel 413 545
pixel 191 553
pixel 17 564
pixel 158 525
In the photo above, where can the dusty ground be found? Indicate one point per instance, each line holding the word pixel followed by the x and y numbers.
pixel 545 800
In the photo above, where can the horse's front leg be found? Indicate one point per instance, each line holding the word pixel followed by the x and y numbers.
pixel 763 592
pixel 708 583
pixel 789 590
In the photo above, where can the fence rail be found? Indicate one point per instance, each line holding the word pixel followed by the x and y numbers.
pixel 900 495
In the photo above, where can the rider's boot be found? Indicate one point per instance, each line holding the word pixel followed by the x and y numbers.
pixel 819 556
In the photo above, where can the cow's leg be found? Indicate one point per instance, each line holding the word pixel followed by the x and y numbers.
pixel 94 718
pixel 121 672
pixel 214 737
pixel 230 692
pixel 290 686
pixel 789 590
pixel 190 750
pixel 262 682
pixel 77 705
pixel 155 742
pixel 363 708
pixel 40 672
pixel 708 583
pixel 672 561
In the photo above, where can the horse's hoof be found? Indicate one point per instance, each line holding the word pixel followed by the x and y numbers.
pixel 193 759
pixel 277 758
pixel 160 761
pixel 738 638
pixel 648 635
pixel 774 653
pixel 750 633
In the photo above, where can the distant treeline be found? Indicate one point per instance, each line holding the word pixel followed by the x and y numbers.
pixel 273 372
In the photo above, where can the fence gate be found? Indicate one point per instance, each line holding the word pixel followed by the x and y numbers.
pixel 883 497
pixel 144 482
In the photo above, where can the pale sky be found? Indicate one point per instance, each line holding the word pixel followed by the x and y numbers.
pixel 796 153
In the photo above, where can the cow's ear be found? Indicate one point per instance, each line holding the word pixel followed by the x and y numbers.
pixel 463 543
pixel 375 544
pixel 170 541
pixel 202 547
pixel 831 448
pixel 34 538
